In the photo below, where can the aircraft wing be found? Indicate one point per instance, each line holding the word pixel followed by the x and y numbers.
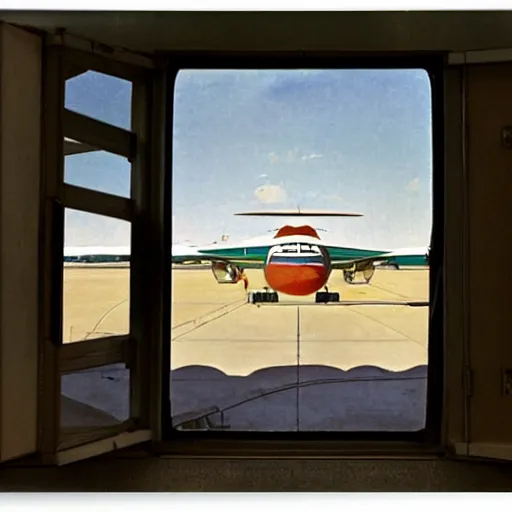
pixel 247 254
pixel 358 259
pixel 253 254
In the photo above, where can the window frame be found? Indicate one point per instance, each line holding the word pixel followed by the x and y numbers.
pixel 214 443
pixel 135 348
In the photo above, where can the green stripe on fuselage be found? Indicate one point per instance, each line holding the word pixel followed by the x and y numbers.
pixel 259 255
pixel 409 261
pixel 350 253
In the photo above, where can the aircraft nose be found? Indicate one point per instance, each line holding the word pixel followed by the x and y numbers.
pixel 295 279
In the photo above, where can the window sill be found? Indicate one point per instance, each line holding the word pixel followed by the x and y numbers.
pixel 300 449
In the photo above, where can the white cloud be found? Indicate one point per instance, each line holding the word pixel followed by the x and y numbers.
pixel 312 156
pixel 413 185
pixel 292 156
pixel 269 194
pixel 263 176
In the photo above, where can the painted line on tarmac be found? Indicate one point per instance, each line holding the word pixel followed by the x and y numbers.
pixel 187 327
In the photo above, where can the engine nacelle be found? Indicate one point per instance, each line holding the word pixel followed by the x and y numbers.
pixel 226 273
pixel 359 274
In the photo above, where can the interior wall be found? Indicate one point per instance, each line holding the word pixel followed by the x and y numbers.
pixel 20 122
pixel 489 108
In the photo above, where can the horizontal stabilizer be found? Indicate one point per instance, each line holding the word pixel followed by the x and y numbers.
pixel 299 213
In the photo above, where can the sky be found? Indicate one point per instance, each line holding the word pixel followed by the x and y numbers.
pixel 345 140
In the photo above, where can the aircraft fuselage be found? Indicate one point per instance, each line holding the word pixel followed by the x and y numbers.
pixel 297 268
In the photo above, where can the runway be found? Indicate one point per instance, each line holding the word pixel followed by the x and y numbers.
pixel 295 365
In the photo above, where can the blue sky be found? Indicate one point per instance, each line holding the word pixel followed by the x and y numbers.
pixel 347 140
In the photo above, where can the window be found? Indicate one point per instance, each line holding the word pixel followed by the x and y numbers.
pixel 97 170
pixel 94 398
pixel 96 282
pixel 347 348
pixel 103 97
pixel 134 268
pixel 96 333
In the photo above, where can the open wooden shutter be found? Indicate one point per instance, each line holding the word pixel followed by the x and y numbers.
pixel 98 392
pixel 479 403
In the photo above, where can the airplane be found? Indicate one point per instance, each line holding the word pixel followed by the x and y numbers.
pixel 294 259
pixel 98 254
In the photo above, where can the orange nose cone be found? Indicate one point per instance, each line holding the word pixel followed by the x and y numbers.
pixel 295 279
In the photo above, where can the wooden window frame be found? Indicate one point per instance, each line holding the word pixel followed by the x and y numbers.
pixel 137 348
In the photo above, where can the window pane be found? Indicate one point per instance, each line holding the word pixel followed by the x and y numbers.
pixel 346 141
pixel 96 299
pixel 98 170
pixel 102 97
pixel 96 397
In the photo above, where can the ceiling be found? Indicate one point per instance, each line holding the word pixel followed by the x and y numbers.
pixel 251 31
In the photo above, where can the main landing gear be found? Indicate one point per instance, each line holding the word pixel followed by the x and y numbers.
pixel 327 296
pixel 264 296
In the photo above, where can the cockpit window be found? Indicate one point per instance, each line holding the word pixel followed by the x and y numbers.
pixel 309 248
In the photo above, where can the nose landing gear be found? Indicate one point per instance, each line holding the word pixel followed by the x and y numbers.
pixel 262 296
pixel 327 296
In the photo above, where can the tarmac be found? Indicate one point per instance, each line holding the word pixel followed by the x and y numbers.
pixel 294 365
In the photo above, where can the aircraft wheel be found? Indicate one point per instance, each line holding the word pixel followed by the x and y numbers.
pixel 269 296
pixel 334 297
pixel 321 297
pixel 266 296
pixel 325 297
